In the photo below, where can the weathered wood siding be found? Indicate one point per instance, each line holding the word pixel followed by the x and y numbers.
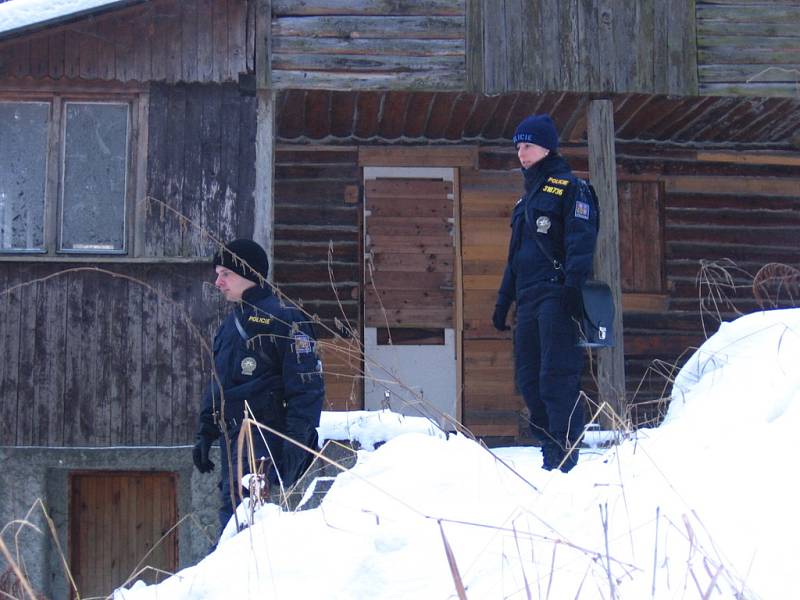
pixel 368 44
pixel 748 47
pixel 160 40
pixel 92 359
pixel 201 166
pixel 582 45
pixel 317 253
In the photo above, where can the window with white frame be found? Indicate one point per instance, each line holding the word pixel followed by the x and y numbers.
pixel 65 168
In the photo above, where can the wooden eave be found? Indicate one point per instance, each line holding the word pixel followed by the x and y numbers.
pixel 66 18
pixel 415 117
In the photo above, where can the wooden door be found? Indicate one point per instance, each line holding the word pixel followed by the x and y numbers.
pixel 409 331
pixel 119 524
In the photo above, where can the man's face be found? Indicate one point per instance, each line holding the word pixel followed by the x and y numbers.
pixel 231 284
pixel 530 154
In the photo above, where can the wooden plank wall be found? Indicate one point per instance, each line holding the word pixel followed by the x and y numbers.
pixel 368 44
pixel 91 359
pixel 580 45
pixel 491 405
pixel 200 168
pixel 160 40
pixel 748 47
pixel 317 255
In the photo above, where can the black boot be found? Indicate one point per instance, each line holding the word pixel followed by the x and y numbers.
pixel 551 455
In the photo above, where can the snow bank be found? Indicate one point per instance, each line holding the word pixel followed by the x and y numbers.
pixel 702 507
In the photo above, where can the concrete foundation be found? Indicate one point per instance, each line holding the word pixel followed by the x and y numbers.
pixel 35 482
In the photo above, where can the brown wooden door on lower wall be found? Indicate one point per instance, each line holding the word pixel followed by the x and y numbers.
pixel 117 522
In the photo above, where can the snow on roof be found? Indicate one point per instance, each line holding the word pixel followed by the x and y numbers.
pixel 18 16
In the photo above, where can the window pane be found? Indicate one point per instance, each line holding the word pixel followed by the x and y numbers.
pixel 23 172
pixel 95 165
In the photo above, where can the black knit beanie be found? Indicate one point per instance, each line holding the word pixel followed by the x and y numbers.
pixel 539 130
pixel 245 258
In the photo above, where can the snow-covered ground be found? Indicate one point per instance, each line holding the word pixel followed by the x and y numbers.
pixel 704 506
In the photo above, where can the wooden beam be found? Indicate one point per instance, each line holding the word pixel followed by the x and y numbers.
pixel 750 158
pixel 264 198
pixel 474 45
pixel 602 166
pixel 139 197
pixel 386 156
pixel 763 186
pixel 656 303
pixel 263 44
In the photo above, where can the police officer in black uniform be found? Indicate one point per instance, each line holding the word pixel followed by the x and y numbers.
pixel 264 353
pixel 553 235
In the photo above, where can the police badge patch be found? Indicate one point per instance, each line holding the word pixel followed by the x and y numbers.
pixel 302 343
pixel 248 365
pixel 543 224
pixel 582 210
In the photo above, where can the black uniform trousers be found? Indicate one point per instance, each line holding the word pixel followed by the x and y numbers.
pixel 549 365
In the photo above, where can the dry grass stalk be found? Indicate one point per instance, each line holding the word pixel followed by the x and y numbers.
pixel 451 561
pixel 776 285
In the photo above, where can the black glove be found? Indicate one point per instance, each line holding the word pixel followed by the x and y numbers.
pixel 572 302
pixel 499 317
pixel 200 455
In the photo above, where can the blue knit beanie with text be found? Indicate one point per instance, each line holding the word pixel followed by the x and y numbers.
pixel 539 130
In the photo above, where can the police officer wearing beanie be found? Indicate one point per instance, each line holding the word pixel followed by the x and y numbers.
pixel 553 235
pixel 265 354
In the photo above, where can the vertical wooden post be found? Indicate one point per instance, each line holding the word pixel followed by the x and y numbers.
pixel 474 45
pixel 603 173
pixel 264 210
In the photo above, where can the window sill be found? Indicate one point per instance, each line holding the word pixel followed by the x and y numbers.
pixel 115 259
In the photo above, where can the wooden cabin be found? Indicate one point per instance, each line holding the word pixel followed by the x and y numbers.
pixel 367 145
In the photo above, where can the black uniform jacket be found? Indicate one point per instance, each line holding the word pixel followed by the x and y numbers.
pixel 551 222
pixel 269 359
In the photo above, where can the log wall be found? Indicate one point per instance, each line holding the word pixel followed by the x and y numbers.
pixel 368 44
pixel 317 253
pixel 748 47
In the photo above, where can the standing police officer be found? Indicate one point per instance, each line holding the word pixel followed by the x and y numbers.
pixel 553 234
pixel 264 354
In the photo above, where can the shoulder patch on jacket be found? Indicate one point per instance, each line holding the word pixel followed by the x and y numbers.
pixel 302 343
pixel 582 210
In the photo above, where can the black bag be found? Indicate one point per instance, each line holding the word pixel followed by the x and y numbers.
pixel 597 324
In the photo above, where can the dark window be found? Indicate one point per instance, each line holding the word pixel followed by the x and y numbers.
pixel 23 174
pixel 65 172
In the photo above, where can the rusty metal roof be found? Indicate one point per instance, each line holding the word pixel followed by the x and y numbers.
pixel 399 117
